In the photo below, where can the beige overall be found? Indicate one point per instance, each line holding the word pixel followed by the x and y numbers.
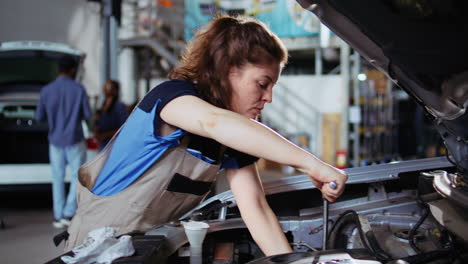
pixel 158 196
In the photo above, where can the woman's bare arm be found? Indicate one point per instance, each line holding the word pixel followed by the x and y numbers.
pixel 249 136
pixel 255 211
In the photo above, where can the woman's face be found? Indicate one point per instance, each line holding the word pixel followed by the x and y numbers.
pixel 252 87
pixel 109 90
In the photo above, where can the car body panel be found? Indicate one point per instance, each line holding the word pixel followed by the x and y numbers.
pixel 368 174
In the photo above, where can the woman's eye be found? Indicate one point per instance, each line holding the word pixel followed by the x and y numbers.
pixel 263 86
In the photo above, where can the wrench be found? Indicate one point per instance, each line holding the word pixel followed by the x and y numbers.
pixel 332 185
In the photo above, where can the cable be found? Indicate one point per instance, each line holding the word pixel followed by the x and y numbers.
pixel 423 217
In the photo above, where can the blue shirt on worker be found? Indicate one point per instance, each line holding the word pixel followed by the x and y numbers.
pixel 64 103
pixel 111 121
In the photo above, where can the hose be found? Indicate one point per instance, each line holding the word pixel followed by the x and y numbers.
pixel 411 238
pixel 368 239
pixel 370 242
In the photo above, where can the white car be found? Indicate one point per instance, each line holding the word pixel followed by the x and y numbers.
pixel 25 67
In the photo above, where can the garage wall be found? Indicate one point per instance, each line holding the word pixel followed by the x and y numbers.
pixel 73 22
pixel 301 108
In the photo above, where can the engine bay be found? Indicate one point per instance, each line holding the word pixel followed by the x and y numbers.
pixel 400 218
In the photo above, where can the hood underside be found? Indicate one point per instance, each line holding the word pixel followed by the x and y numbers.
pixel 421 45
pixel 28 65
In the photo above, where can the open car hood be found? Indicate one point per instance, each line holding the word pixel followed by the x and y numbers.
pixel 421 45
pixel 26 66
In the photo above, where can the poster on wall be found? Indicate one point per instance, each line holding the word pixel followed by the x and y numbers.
pixel 286 18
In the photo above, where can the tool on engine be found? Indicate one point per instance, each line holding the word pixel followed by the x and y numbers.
pixel 332 185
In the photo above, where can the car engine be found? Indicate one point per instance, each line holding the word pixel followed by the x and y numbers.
pixel 404 212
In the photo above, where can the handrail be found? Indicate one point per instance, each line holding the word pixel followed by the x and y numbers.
pixel 277 111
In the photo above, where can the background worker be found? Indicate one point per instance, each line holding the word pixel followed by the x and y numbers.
pixel 163 161
pixel 64 104
pixel 111 115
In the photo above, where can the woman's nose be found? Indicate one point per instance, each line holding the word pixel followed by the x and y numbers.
pixel 268 95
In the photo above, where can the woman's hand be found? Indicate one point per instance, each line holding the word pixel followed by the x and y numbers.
pixel 323 175
pixel 326 174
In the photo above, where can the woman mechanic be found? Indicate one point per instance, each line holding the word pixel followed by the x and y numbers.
pixel 186 129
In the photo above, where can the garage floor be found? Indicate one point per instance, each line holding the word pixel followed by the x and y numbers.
pixel 28 232
pixel 27 237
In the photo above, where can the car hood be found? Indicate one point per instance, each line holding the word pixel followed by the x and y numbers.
pixel 421 46
pixel 25 66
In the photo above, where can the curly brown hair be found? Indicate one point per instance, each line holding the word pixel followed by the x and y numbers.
pixel 224 43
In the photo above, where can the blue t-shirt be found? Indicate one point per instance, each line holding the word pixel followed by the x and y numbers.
pixel 138 146
pixel 111 121
pixel 63 104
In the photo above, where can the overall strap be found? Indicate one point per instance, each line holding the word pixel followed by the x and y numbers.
pixel 184 142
